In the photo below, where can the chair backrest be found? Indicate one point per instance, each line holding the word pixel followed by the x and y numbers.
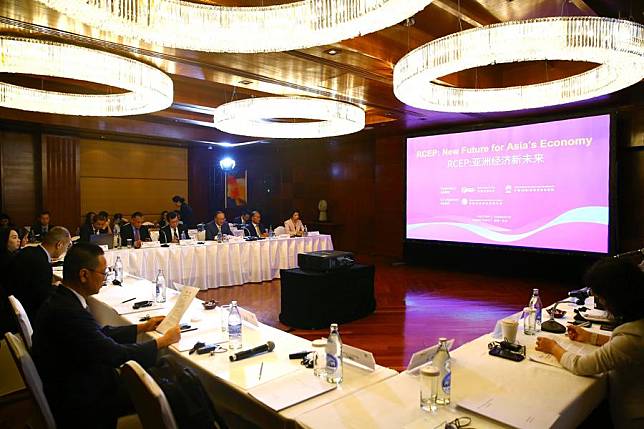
pixel 23 320
pixel 31 378
pixel 279 230
pixel 149 400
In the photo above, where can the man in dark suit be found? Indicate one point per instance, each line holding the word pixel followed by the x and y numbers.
pixel 216 226
pixel 173 231
pixel 76 358
pixel 99 226
pixel 254 228
pixel 29 274
pixel 42 226
pixel 242 219
pixel 135 231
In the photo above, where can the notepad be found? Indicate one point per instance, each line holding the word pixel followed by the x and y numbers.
pixel 290 390
pixel 506 409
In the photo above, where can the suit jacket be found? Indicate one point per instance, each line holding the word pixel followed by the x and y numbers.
pixel 165 233
pixel 250 228
pixel 77 360
pixel 186 215
pixel 212 230
pixel 127 233
pixel 36 230
pixel 88 230
pixel 29 277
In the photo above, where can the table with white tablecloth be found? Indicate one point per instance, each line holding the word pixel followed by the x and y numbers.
pixel 230 384
pixel 213 264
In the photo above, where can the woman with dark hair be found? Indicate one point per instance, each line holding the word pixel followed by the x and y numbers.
pixel 185 211
pixel 294 225
pixel 163 221
pixel 9 244
pixel 619 286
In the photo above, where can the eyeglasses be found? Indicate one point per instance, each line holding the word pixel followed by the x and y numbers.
pixel 460 422
pixel 105 273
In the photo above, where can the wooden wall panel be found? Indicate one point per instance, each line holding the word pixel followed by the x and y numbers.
pixel 123 177
pixel 61 179
pixel 20 174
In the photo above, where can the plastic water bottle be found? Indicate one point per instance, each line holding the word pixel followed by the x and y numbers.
pixel 305 232
pixel 334 356
pixel 442 362
pixel 271 234
pixel 220 237
pixel 160 286
pixel 118 270
pixel 234 327
pixel 535 302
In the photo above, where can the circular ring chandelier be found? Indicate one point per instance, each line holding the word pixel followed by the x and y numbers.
pixel 149 89
pixel 268 117
pixel 202 27
pixel 616 45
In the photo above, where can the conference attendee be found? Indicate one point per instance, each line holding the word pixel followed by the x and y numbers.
pixel 117 222
pixel 242 219
pixel 29 273
pixel 135 231
pixel 106 215
pixel 42 226
pixel 9 246
pixel 254 228
pixel 173 231
pixel 99 225
pixel 618 285
pixel 294 225
pixel 185 211
pixel 162 219
pixel 5 221
pixel 217 226
pixel 77 358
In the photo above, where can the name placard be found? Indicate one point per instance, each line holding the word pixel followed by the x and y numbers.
pixel 358 356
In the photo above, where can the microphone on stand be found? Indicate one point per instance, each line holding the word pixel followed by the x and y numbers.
pixel 552 325
pixel 631 253
pixel 245 354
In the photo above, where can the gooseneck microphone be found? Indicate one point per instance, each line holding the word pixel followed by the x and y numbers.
pixel 245 354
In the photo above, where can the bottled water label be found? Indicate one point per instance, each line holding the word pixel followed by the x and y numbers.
pixel 331 364
pixel 447 383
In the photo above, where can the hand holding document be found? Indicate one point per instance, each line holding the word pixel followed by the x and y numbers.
pixel 184 300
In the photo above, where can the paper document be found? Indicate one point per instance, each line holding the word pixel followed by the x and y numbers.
pixel 507 410
pixel 184 300
pixel 570 346
pixel 290 389
pixel 188 339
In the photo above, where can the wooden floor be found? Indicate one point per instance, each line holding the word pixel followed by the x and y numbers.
pixel 415 306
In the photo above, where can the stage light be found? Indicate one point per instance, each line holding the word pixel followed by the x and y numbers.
pixel 227 164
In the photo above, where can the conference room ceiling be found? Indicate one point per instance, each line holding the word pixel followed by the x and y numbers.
pixel 360 72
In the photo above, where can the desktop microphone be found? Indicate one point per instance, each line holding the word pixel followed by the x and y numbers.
pixel 552 325
pixel 245 354
pixel 631 253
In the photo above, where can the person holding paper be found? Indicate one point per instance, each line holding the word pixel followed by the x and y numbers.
pixel 173 231
pixel 76 358
pixel 618 285
pixel 216 226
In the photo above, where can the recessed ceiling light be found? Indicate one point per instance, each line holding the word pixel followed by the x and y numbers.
pixel 245 82
pixel 332 51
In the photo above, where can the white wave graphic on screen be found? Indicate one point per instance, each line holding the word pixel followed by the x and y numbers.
pixel 592 214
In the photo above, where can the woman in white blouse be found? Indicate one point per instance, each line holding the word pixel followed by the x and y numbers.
pixel 294 225
pixel 619 286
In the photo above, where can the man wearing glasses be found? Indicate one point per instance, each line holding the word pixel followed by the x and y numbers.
pixel 29 274
pixel 77 359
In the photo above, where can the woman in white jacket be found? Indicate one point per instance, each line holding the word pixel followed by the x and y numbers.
pixel 619 286
pixel 294 225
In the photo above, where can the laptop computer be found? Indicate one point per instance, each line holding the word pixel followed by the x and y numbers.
pixel 102 240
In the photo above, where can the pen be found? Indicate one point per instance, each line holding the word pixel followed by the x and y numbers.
pixel 128 300
pixel 261 368
pixel 188 330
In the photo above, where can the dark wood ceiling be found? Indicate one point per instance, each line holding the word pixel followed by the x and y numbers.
pixel 361 71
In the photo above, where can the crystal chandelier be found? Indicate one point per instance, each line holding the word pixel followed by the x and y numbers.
pixel 201 27
pixel 270 117
pixel 617 46
pixel 148 89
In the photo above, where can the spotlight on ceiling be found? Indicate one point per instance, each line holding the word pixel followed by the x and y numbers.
pixel 227 164
pixel 332 51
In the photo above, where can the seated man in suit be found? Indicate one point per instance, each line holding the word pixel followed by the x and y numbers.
pixel 76 358
pixel 216 226
pixel 173 231
pixel 42 226
pixel 99 226
pixel 254 228
pixel 29 274
pixel 243 219
pixel 135 231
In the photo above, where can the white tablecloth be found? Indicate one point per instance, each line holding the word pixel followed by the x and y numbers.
pixel 228 383
pixel 540 388
pixel 211 265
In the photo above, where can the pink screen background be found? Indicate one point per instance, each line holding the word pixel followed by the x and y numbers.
pixel 544 197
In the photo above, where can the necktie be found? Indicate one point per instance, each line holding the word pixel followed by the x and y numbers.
pixel 137 236
pixel 257 229
pixel 175 234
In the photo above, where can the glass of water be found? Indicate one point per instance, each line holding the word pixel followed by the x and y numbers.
pixel 223 317
pixel 319 360
pixel 429 378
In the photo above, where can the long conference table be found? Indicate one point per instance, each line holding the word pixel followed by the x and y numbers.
pixel 527 394
pixel 211 265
